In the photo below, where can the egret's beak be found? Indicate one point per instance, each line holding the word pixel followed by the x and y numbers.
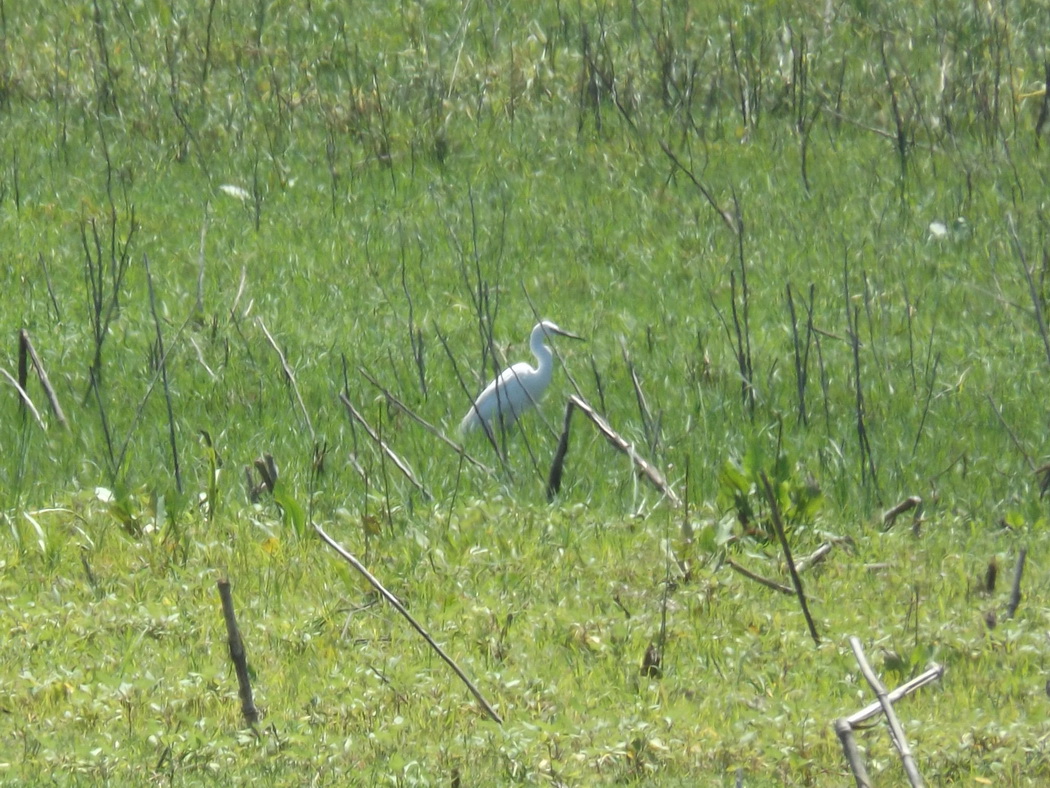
pixel 569 334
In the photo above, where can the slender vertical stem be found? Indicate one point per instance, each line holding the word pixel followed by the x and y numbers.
pixel 795 579
pixel 163 362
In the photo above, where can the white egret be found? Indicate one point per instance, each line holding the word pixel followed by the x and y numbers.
pixel 519 387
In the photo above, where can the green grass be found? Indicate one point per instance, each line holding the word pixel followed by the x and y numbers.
pixel 412 178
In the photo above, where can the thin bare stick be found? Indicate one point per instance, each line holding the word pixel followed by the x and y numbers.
pixel 50 286
pixel 896 731
pixel 1013 437
pixel 25 397
pixel 25 345
pixel 400 608
pixel 849 747
pixel 164 375
pixel 618 442
pixel 415 336
pixel 723 214
pixel 779 587
pixel 931 379
pixel 901 136
pixel 930 675
pixel 643 405
pixel 778 525
pixel 394 458
pixel 145 397
pixel 1037 301
pixel 743 337
pixel 290 377
pixel 1044 108
pixel 801 357
pixel 393 400
pixel 862 433
pixel 237 655
pixel 598 384
pixel 201 257
pixel 201 361
pixel 558 463
pixel 1015 590
pixel 740 343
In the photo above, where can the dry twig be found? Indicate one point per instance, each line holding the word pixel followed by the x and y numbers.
pixel 26 401
pixel 393 600
pixel 291 378
pixel 394 458
pixel 813 558
pixel 930 675
pixel 779 587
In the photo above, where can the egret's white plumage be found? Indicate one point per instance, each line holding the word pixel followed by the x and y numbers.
pixel 519 387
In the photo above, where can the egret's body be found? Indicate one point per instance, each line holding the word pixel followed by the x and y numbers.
pixel 519 387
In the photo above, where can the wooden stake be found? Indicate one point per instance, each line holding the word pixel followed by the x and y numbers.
pixel 237 655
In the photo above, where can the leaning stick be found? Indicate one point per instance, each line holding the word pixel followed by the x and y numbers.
pixel 25 346
pixel 618 442
pixel 393 600
pixel 896 731
pixel 639 395
pixel 779 587
pixel 290 375
pixel 394 458
pixel 813 558
pixel 393 400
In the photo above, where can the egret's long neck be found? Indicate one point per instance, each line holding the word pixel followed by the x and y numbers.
pixel 544 358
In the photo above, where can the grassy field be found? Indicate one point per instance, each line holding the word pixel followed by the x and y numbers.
pixel 810 243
